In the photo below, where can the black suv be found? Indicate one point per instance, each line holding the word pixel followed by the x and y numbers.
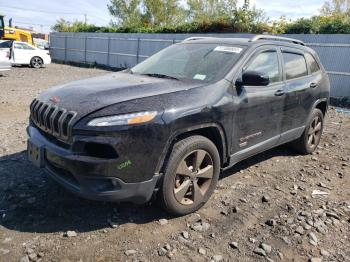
pixel 169 125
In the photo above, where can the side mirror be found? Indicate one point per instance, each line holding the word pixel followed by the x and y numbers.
pixel 253 78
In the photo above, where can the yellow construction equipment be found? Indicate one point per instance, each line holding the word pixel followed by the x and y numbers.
pixel 13 33
pixel 17 34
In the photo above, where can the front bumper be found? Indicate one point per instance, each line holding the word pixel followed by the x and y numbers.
pixel 80 174
pixel 47 60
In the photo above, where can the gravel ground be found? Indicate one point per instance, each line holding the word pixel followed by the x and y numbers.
pixel 263 209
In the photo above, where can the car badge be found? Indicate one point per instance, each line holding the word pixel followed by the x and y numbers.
pixel 55 99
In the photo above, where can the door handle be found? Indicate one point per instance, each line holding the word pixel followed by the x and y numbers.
pixel 279 92
pixel 313 85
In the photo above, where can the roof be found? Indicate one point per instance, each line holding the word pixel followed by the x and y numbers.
pixel 256 40
pixel 218 40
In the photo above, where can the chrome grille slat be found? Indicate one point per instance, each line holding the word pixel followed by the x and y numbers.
pixel 36 111
pixel 47 116
pixel 41 115
pixel 52 119
pixel 32 106
pixel 60 122
pixel 56 125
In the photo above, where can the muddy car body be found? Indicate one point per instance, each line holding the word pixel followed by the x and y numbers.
pixel 130 135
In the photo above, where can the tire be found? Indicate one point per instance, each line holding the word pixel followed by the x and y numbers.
pixel 311 137
pixel 36 62
pixel 187 186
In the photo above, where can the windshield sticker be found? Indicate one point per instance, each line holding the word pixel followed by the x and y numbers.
pixel 199 77
pixel 228 49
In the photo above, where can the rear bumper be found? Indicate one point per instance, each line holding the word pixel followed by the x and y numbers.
pixel 74 172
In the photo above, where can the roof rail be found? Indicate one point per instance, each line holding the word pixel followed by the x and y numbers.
pixel 276 38
pixel 196 38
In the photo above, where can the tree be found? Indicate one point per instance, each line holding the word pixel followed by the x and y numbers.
pixel 301 26
pixel 62 25
pixel 127 12
pixel 249 19
pixel 133 13
pixel 336 7
pixel 176 16
pixel 211 9
pixel 164 12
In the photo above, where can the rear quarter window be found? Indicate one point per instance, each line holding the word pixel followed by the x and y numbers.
pixel 312 63
pixel 295 65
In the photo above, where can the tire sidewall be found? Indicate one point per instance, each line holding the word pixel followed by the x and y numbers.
pixel 179 152
pixel 315 112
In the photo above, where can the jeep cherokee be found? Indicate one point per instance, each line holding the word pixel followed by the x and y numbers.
pixel 168 126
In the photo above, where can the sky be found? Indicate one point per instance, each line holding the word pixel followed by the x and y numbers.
pixel 42 14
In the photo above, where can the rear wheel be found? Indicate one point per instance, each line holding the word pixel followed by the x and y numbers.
pixel 36 62
pixel 191 175
pixel 311 137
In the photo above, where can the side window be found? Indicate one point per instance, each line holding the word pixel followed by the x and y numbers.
pixel 23 46
pixel 295 65
pixel 18 46
pixel 266 63
pixel 313 65
pixel 28 47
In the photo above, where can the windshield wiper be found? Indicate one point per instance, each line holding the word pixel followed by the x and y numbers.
pixel 161 76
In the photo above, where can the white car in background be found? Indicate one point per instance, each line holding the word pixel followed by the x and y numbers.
pixel 25 54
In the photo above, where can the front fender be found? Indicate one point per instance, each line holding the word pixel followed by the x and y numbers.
pixel 182 132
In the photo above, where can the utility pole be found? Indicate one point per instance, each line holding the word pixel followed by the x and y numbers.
pixel 85 15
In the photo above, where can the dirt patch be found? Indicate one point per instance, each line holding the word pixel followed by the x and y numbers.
pixel 263 208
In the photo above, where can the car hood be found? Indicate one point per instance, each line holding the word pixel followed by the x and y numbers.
pixel 87 96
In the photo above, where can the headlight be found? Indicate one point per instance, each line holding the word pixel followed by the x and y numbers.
pixel 128 119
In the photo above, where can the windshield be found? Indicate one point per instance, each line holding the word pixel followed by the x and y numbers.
pixel 5 44
pixel 203 62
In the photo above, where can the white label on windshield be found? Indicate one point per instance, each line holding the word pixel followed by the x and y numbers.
pixel 228 49
pixel 199 77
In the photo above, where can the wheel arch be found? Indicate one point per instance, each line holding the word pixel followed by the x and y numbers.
pixel 322 105
pixel 213 131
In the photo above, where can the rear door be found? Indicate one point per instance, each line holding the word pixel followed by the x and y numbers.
pixel 300 84
pixel 257 123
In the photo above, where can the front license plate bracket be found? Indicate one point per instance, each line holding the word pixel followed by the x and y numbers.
pixel 36 154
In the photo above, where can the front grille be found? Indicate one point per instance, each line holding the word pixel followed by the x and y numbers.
pixel 52 119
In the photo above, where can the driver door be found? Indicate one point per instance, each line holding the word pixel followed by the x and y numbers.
pixel 258 119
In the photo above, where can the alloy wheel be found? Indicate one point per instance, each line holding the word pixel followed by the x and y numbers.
pixel 193 177
pixel 37 62
pixel 314 134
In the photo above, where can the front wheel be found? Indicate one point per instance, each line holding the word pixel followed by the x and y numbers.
pixel 36 62
pixel 311 137
pixel 191 175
